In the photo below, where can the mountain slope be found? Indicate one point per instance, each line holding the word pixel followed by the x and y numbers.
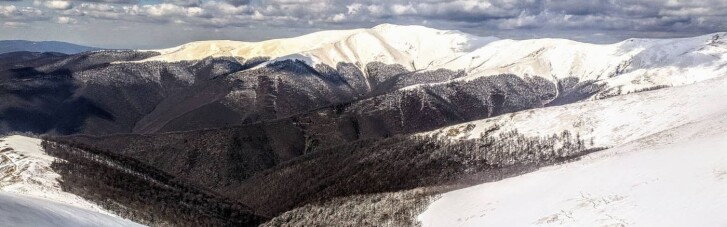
pixel 677 177
pixel 396 174
pixel 671 134
pixel 7 46
pixel 652 120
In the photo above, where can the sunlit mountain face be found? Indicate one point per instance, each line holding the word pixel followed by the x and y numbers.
pixel 374 113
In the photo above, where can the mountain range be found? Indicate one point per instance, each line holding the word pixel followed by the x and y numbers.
pixel 350 126
pixel 220 83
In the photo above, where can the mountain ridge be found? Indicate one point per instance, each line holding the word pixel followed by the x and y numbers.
pixel 550 58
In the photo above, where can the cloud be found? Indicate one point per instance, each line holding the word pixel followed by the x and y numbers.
pixel 66 20
pixel 632 17
pixel 12 13
pixel 7 11
pixel 54 4
pixel 112 1
pixel 11 24
pixel 184 2
pixel 238 2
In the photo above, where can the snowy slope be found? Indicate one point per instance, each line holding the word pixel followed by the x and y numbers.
pixel 674 178
pixel 25 171
pixel 16 210
pixel 613 121
pixel 625 66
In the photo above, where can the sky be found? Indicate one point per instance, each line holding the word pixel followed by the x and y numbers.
pixel 140 24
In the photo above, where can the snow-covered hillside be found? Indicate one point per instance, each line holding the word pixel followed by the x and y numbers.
pixel 625 67
pixel 667 165
pixel 28 183
pixel 613 121
pixel 674 178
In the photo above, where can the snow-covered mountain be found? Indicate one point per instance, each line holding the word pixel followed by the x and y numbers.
pixel 7 46
pixel 625 67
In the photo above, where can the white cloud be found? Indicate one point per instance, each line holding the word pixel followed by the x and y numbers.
pixel 12 13
pixel 398 9
pixel 11 24
pixel 66 20
pixel 7 11
pixel 339 18
pixel 54 4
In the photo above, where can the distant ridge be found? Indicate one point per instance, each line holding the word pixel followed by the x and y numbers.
pixel 7 46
